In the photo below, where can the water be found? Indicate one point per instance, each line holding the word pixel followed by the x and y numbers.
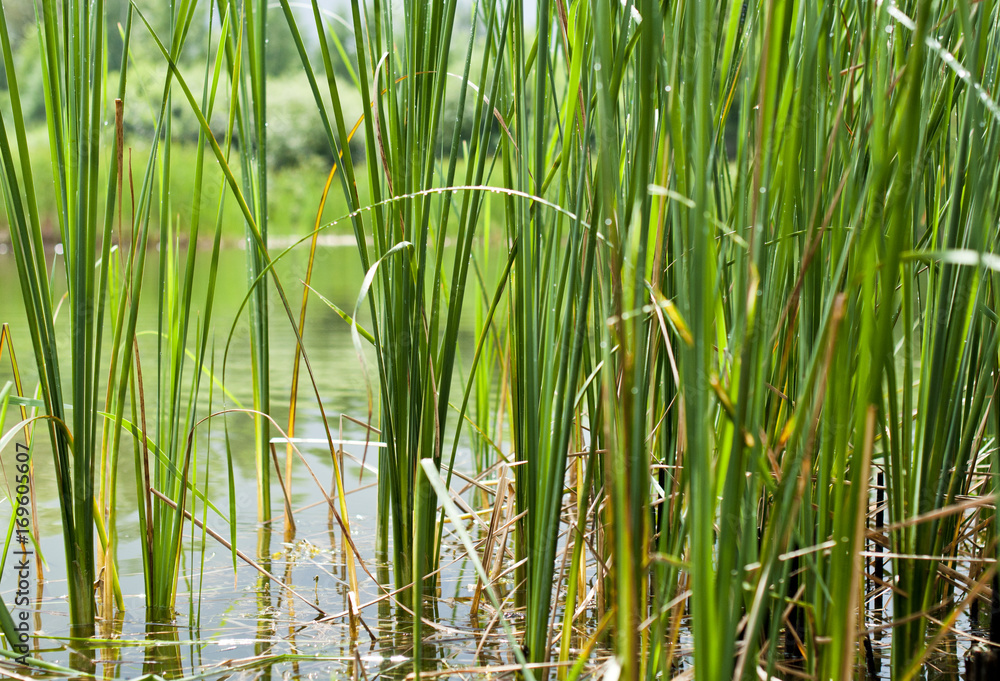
pixel 244 625
pixel 249 623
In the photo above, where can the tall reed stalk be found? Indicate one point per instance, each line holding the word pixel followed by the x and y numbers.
pixel 417 302
pixel 165 454
pixel 105 264
pixel 73 47
pixel 243 45
pixel 246 59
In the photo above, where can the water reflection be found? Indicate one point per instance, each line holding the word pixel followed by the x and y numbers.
pixel 163 657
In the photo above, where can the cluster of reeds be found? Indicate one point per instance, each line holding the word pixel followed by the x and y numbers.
pixel 85 412
pixel 740 324
pixel 161 411
pixel 100 283
pixel 753 270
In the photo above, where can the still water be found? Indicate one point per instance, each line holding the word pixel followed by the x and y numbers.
pixel 241 624
pixel 247 626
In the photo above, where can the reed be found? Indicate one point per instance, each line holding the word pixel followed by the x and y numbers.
pixel 165 442
pixel 750 270
pixel 761 282
pixel 417 295
pixel 246 55
pixel 104 271
pixel 250 198
pixel 73 46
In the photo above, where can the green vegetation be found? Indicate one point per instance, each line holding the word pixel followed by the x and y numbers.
pixel 74 93
pixel 732 270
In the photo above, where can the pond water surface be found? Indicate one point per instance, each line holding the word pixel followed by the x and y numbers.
pixel 244 625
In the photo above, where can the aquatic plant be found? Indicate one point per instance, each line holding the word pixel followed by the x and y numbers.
pixel 73 66
pixel 736 304
pixel 246 55
pixel 104 269
pixel 761 182
pixel 418 301
pixel 165 442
